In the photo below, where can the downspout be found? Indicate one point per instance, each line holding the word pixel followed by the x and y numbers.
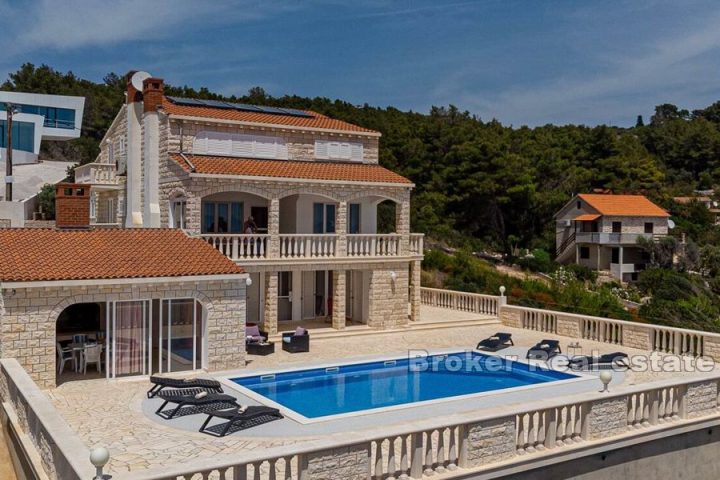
pixel 187 160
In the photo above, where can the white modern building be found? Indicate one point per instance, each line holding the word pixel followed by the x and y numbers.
pixel 37 117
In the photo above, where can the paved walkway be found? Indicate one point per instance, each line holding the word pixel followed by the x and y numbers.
pixel 110 414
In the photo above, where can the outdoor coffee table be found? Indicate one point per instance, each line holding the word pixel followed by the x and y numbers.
pixel 255 348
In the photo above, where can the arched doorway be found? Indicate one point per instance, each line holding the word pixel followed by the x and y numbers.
pixel 135 337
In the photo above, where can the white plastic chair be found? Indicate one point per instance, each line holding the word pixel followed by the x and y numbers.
pixel 92 354
pixel 64 355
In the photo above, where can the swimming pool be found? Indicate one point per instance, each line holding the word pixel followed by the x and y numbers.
pixel 321 392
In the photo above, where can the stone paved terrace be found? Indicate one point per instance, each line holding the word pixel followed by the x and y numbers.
pixel 110 413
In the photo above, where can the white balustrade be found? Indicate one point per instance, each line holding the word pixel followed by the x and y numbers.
pixel 239 247
pixel 463 301
pixel 601 330
pixel 308 246
pixel 540 320
pixel 96 174
pixel 359 245
pixel 416 243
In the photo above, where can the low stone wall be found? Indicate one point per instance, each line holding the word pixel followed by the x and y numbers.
pixel 701 399
pixel 349 463
pixel 637 336
pixel 511 317
pixel 607 417
pixel 41 432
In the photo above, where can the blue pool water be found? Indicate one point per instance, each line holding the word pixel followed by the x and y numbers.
pixel 350 388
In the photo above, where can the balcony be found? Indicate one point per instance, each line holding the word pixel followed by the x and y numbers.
pixel 96 174
pixel 315 247
pixel 604 238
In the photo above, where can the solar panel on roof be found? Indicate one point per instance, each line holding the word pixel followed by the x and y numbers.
pixel 244 107
pixel 218 104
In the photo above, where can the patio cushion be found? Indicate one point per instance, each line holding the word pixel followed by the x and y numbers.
pixel 299 331
pixel 252 331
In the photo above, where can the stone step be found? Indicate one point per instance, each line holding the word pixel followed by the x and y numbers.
pixel 355 330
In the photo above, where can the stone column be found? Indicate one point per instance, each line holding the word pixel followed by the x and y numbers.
pixel 402 224
pixel 274 230
pixel 341 229
pixel 338 313
pixel 270 317
pixel 415 276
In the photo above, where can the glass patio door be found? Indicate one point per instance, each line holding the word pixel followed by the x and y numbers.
pixel 127 348
pixel 180 336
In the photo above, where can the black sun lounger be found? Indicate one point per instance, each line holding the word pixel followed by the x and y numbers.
pixel 544 350
pixel 497 342
pixel 615 359
pixel 159 383
pixel 251 416
pixel 203 399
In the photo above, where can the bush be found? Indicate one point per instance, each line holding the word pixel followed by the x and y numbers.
pixel 581 272
pixel 46 201
pixel 538 261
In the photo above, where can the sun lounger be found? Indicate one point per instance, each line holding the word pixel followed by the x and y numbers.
pixel 200 399
pixel 544 350
pixel 497 342
pixel 160 383
pixel 615 359
pixel 243 418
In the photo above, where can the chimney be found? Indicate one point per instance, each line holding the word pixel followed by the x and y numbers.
pixel 133 198
pixel 153 89
pixel 72 206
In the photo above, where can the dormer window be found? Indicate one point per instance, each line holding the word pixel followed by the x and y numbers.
pixel 332 150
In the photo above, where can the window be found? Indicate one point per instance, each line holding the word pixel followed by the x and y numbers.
pixel 585 253
pixel 178 209
pixel 579 204
pixel 53 117
pixel 23 136
pixel 240 145
pixel 284 284
pixel 222 217
pixel 93 204
pixel 649 227
pixel 323 218
pixel 616 227
pixel 331 150
pixel 354 218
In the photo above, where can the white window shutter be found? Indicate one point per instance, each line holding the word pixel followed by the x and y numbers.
pixel 265 147
pixel 356 152
pixel 282 149
pixel 321 149
pixel 219 143
pixel 345 151
pixel 200 143
pixel 242 146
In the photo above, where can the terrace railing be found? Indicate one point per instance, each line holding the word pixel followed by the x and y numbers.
pixel 299 246
pixel 96 174
pixel 466 302
pixel 460 444
pixel 643 336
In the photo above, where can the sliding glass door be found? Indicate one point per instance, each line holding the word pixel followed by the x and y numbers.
pixel 127 348
pixel 157 336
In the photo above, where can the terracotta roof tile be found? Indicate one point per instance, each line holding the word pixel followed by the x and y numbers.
pixel 45 254
pixel 316 121
pixel 624 205
pixel 587 217
pixel 253 167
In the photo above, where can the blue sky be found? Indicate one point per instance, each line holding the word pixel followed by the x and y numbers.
pixel 522 62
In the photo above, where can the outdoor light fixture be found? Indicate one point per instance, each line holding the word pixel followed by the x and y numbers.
pixel 393 276
pixel 248 281
pixel 99 458
pixel 502 290
pixel 605 378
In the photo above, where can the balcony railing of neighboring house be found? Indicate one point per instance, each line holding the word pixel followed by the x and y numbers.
pixel 313 246
pixel 618 269
pixel 613 238
pixel 96 174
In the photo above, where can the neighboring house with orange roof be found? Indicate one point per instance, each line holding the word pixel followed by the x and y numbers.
pixel 311 184
pixel 601 231
pixel 151 301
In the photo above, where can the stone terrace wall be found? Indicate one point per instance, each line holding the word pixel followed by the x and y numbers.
pixel 28 322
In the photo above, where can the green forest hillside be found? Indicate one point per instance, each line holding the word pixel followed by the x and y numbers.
pixel 482 185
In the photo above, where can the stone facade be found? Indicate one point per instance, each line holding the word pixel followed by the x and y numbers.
pixel 568 326
pixel 347 463
pixel 338 313
pixel 490 441
pixel 607 417
pixel 388 302
pixel 415 289
pixel 701 399
pixel 511 317
pixel 28 319
pixel 711 347
pixel 637 337
pixel 4 223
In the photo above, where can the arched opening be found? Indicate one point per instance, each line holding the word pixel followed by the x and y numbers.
pixel 128 338
pixel 80 331
pixel 234 212
pixel 386 217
